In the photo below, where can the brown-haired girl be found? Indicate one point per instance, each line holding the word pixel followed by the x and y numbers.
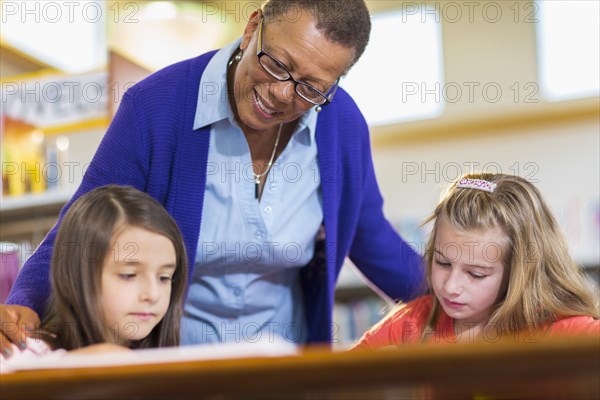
pixel 118 275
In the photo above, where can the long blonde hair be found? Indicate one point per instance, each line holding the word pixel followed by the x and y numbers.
pixel 543 282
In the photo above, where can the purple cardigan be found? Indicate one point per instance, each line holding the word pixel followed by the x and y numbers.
pixel 152 146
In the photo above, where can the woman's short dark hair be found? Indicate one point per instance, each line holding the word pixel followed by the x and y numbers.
pixel 346 22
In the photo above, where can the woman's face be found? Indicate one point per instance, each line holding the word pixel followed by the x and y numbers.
pixel 262 102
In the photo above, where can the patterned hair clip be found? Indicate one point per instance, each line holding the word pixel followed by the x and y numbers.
pixel 478 184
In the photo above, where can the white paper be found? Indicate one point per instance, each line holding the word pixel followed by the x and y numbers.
pixel 272 348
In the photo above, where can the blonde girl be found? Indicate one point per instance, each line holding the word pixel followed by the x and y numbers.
pixel 497 265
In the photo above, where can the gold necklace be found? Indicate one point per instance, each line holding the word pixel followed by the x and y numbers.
pixel 257 177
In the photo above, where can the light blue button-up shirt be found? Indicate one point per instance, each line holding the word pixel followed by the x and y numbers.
pixel 245 285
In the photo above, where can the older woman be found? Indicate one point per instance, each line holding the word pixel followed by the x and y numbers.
pixel 268 174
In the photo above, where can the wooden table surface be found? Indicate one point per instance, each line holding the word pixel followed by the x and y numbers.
pixel 559 368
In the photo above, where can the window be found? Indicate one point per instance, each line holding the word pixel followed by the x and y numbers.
pixel 568 49
pixel 402 61
pixel 68 35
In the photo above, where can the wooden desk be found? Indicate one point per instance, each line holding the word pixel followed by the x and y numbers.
pixel 560 368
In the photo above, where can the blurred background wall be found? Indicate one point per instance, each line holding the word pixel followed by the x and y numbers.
pixel 447 87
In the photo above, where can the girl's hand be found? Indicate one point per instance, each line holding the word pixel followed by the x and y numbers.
pixel 15 324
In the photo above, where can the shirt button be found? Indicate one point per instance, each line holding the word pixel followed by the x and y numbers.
pixel 237 292
pixel 268 209
pixel 272 186
pixel 258 234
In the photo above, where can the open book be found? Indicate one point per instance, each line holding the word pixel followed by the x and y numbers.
pixel 62 359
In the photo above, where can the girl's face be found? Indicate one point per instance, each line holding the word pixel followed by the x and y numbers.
pixel 467 273
pixel 136 282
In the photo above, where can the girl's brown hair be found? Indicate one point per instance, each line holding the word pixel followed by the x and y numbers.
pixel 83 241
pixel 543 282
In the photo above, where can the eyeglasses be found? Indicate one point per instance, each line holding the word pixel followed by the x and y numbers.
pixel 280 72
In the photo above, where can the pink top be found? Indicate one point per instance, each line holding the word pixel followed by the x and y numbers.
pixel 406 324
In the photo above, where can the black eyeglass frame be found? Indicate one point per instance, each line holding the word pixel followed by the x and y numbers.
pixel 260 54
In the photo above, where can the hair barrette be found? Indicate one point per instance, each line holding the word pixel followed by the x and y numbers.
pixel 479 184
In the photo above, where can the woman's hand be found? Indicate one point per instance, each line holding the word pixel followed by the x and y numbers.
pixel 15 324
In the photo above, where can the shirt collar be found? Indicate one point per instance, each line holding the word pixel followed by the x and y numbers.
pixel 213 102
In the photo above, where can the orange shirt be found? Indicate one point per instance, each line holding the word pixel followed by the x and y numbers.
pixel 405 326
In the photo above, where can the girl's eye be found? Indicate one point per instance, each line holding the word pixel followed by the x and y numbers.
pixel 477 276
pixel 443 264
pixel 166 279
pixel 126 276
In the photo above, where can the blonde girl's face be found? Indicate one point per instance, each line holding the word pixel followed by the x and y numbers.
pixel 136 282
pixel 467 273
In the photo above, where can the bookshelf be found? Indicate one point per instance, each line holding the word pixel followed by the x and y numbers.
pixel 26 220
pixel 357 307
